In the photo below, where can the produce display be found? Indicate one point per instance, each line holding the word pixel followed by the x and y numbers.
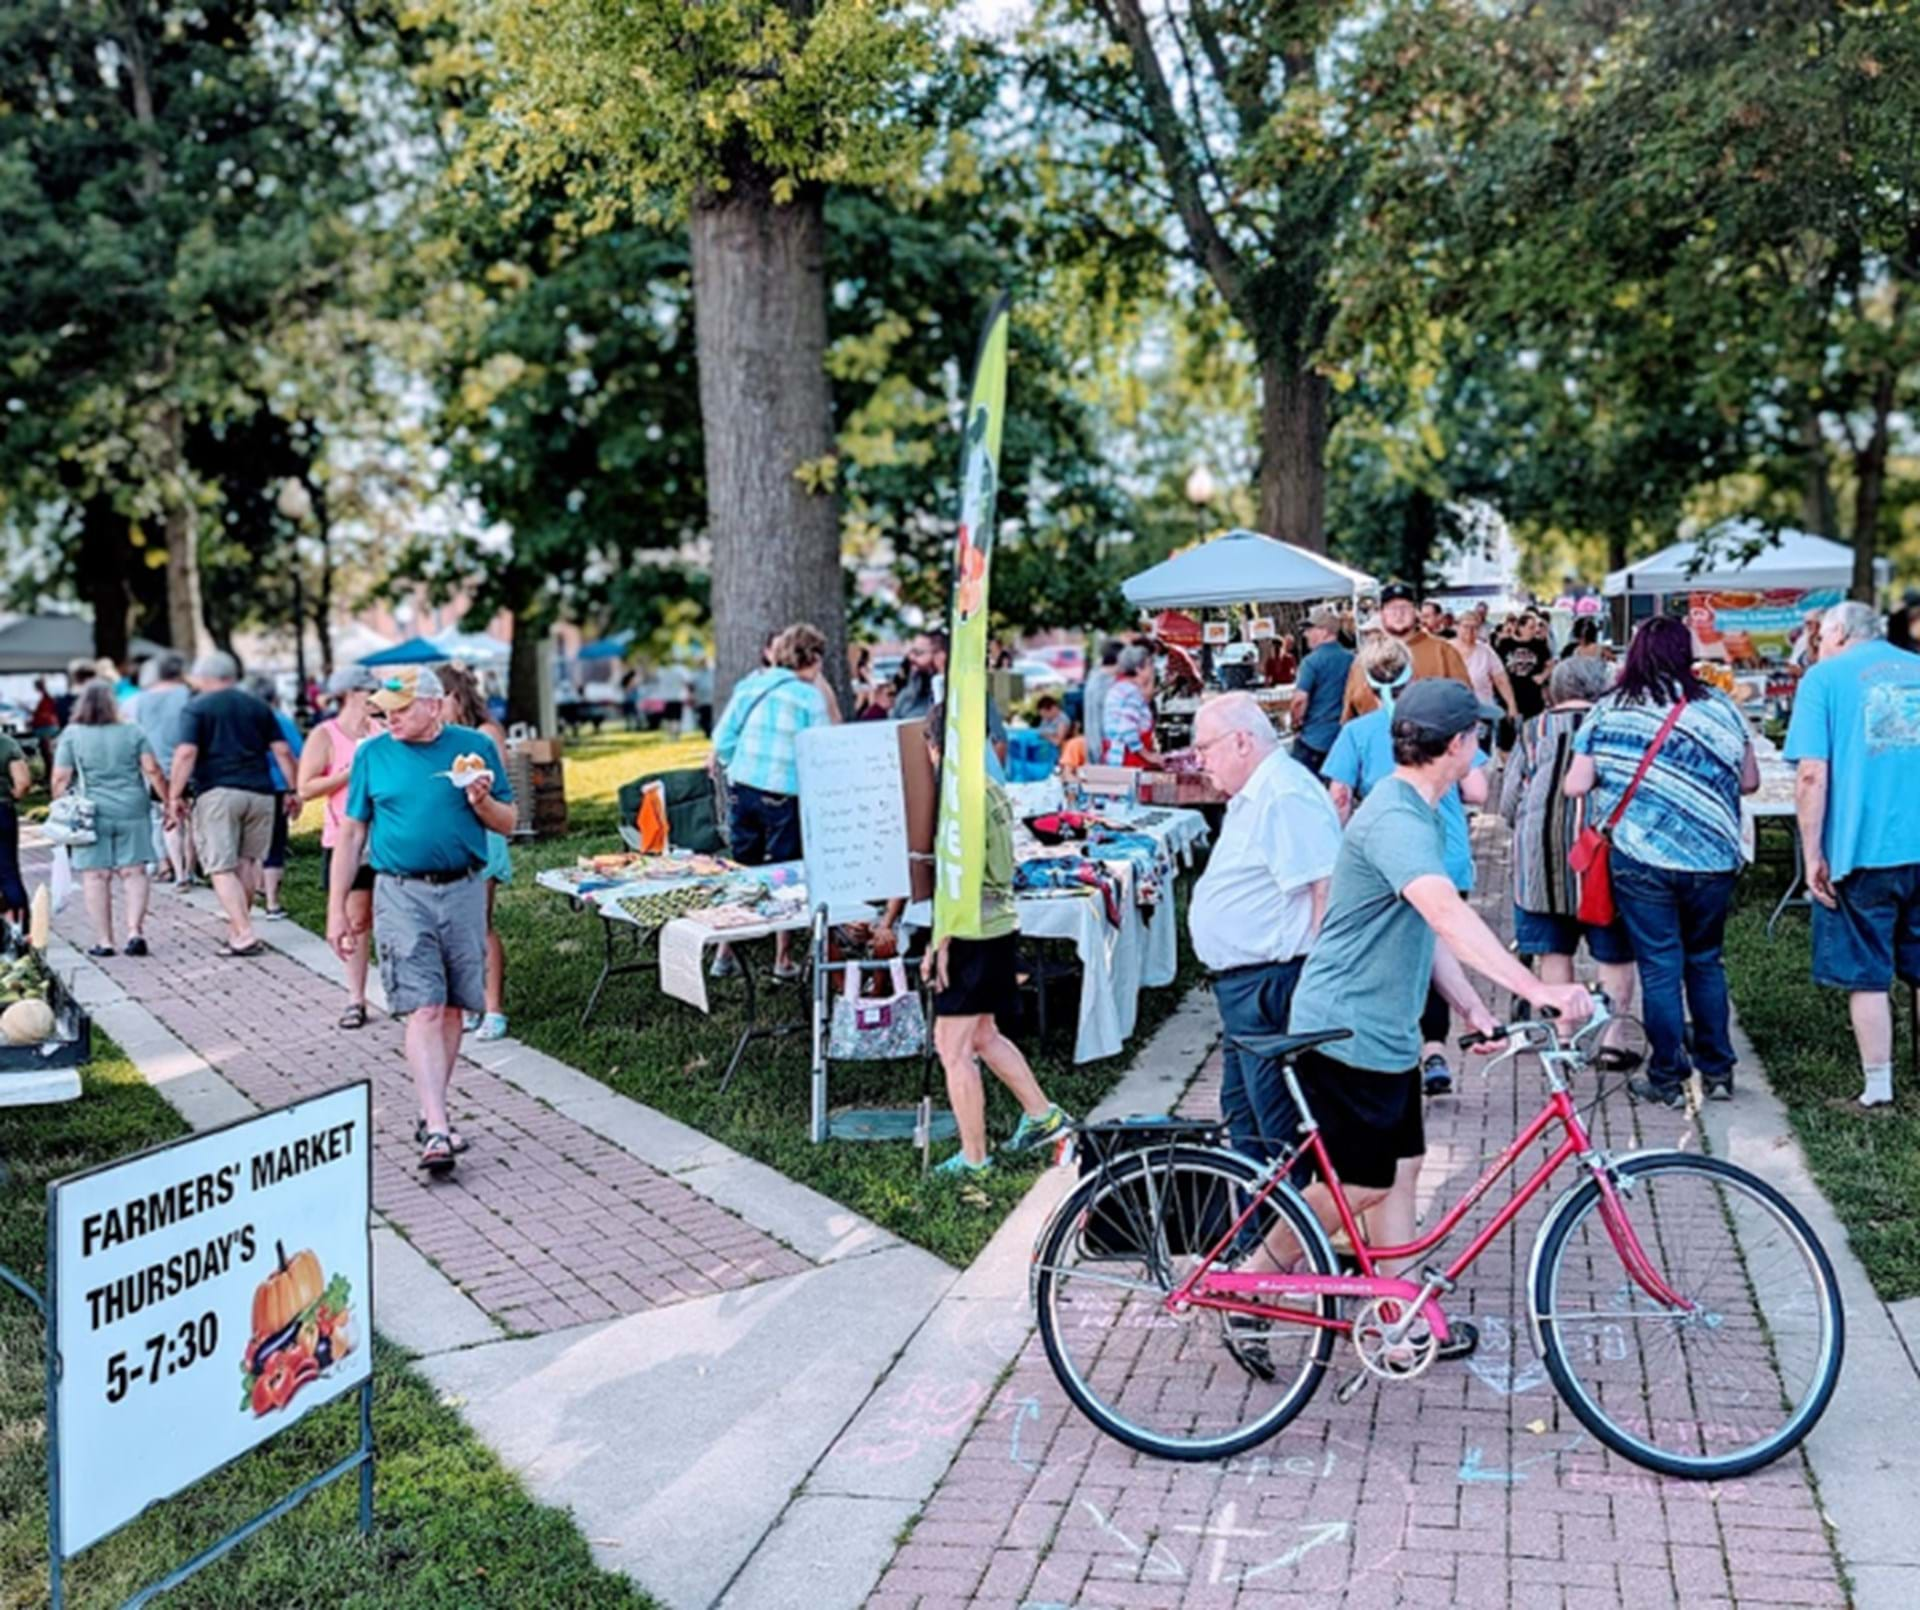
pixel 26 1017
pixel 302 1324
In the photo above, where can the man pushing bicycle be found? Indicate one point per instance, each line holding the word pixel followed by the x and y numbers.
pixel 1391 898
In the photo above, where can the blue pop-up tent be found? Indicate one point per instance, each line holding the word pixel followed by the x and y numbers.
pixel 608 648
pixel 414 651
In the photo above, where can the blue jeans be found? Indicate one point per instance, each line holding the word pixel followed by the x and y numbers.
pixel 1677 921
pixel 1260 1114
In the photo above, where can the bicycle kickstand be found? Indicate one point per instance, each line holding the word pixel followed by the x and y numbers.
pixel 1350 1388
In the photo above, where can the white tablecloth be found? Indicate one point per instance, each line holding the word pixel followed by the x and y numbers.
pixel 1116 963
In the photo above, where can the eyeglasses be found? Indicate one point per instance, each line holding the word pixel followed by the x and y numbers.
pixel 1217 738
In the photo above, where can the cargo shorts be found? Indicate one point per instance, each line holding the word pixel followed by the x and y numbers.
pixel 432 939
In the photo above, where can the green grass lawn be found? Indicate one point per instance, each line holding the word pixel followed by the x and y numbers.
pixel 1868 1164
pixel 667 1055
pixel 451 1526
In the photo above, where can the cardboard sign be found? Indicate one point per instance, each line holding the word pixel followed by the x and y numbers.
pixel 207 1295
pixel 1216 632
pixel 1260 629
pixel 853 814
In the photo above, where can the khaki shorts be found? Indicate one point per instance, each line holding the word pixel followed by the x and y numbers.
pixel 231 825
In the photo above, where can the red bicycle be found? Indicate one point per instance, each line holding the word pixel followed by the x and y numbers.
pixel 1685 1311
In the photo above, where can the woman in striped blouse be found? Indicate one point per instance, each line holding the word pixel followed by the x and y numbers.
pixel 1676 848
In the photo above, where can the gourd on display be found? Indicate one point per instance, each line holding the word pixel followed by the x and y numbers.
pixel 27 1023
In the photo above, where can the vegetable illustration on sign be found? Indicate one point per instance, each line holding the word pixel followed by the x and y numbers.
pixel 302 1327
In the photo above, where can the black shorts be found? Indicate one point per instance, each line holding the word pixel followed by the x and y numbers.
pixel 362 880
pixel 1369 1121
pixel 764 828
pixel 981 978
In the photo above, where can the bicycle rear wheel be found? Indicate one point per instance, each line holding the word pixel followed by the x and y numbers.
pixel 1715 1389
pixel 1200 1385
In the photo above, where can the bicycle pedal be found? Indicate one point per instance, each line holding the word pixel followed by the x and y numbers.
pixel 1349 1389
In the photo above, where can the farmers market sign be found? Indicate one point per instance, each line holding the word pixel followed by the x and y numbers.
pixel 205 1296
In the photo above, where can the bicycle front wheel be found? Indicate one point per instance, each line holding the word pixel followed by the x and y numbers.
pixel 1198 1385
pixel 1722 1382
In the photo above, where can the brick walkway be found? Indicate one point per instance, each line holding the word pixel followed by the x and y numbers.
pixel 1472 1487
pixel 544 1225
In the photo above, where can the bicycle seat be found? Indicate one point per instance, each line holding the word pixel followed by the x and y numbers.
pixel 1285 1047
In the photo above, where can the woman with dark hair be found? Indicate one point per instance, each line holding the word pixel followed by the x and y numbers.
pixel 466 706
pixel 1662 762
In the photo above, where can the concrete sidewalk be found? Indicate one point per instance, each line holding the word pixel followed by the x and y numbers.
pixel 687 1350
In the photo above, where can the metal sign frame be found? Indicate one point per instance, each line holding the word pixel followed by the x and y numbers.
pixel 361 1459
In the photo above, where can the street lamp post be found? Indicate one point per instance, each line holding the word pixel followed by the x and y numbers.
pixel 1200 490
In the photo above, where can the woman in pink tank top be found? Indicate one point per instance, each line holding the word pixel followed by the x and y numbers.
pixel 325 763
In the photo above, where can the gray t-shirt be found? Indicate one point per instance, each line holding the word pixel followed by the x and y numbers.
pixel 1369 970
pixel 106 765
pixel 158 713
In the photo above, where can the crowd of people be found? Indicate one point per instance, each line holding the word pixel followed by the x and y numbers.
pixel 1335 896
pixel 192 775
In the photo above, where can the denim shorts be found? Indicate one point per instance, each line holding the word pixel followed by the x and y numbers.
pixel 1875 934
pixel 1540 933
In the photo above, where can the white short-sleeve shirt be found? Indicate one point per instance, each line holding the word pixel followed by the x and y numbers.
pixel 1255 903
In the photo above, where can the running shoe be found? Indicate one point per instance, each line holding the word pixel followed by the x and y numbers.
pixel 492 1027
pixel 1436 1078
pixel 957 1167
pixel 1036 1132
pixel 1674 1095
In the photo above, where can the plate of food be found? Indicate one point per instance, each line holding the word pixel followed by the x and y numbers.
pixel 467 770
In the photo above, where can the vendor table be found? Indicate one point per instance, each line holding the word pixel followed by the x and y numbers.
pixel 642 953
pixel 1775 803
pixel 1143 952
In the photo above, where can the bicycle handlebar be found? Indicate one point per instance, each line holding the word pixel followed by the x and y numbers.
pixel 1531 1027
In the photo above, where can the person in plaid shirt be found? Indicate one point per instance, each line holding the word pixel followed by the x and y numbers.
pixel 757 745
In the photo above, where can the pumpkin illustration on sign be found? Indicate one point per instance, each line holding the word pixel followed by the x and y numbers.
pixel 302 1327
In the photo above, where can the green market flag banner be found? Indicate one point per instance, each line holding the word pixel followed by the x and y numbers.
pixel 960 843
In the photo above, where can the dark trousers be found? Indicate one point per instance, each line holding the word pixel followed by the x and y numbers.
pixel 1260 1114
pixel 1677 921
pixel 1436 1017
pixel 13 891
pixel 1313 759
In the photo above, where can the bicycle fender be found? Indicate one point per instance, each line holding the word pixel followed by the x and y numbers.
pixel 1562 1205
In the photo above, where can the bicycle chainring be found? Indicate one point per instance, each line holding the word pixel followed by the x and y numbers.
pixel 1406 1360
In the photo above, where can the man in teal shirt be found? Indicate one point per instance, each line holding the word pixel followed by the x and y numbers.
pixel 420 800
pixel 1855 735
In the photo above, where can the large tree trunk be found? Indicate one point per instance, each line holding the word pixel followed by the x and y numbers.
pixel 1817 511
pixel 1293 446
pixel 530 628
pixel 106 552
pixel 1419 535
pixel 760 320
pixel 1870 481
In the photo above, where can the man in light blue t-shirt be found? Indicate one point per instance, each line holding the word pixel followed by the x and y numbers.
pixel 1856 737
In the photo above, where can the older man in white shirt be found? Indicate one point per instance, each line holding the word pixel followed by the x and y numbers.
pixel 1257 909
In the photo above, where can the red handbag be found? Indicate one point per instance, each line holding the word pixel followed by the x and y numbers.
pixel 1592 852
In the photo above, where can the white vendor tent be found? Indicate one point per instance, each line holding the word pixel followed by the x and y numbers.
pixel 1242 567
pixel 1714 563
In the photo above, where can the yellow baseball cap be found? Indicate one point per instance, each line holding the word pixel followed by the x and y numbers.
pixel 400 688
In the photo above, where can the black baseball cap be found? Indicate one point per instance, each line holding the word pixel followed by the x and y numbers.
pixel 1435 709
pixel 1397 589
